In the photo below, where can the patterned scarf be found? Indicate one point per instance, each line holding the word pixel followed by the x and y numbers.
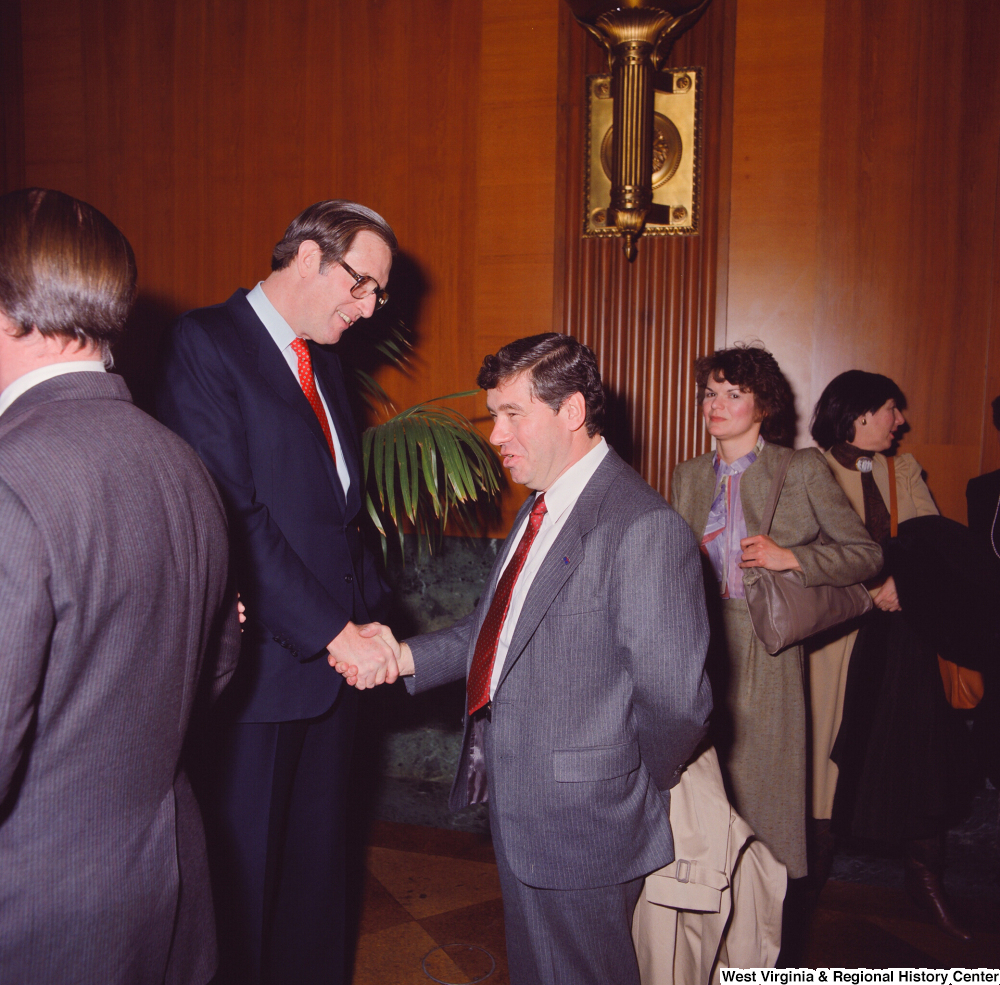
pixel 726 525
pixel 877 520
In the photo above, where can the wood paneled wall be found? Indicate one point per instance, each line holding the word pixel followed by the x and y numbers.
pixel 202 129
pixel 850 186
pixel 864 218
pixel 850 197
pixel 648 320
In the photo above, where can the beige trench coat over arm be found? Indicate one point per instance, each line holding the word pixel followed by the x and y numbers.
pixel 718 904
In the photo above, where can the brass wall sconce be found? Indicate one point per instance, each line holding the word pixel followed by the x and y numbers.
pixel 643 122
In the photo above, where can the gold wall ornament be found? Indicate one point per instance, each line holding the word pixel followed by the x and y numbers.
pixel 637 36
pixel 675 157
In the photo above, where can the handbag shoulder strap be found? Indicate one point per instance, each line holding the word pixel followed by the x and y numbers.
pixel 893 506
pixel 776 484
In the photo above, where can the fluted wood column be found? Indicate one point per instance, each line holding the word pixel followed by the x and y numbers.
pixel 648 320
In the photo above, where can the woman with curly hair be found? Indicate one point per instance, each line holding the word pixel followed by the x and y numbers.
pixel 759 724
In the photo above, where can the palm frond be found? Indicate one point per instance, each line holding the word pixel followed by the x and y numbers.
pixel 425 464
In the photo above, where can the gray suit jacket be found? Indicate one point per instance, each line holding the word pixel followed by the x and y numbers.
pixel 811 501
pixel 113 566
pixel 603 695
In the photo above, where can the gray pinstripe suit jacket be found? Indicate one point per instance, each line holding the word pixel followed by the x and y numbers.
pixel 603 695
pixel 113 565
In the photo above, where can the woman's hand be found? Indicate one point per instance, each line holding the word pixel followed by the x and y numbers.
pixel 886 598
pixel 762 552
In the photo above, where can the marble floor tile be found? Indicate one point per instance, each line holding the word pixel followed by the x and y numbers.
pixel 429 884
pixel 426 887
pixel 480 924
pixel 393 957
pixel 379 908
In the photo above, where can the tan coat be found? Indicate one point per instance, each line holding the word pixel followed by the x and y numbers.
pixel 760 719
pixel 913 498
pixel 718 904
pixel 828 665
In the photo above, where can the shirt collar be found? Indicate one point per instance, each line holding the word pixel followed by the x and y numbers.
pixel 565 491
pixel 741 464
pixel 276 326
pixel 24 383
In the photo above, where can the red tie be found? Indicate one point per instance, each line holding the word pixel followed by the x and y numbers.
pixel 486 645
pixel 308 384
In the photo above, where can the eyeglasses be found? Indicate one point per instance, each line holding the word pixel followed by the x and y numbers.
pixel 363 286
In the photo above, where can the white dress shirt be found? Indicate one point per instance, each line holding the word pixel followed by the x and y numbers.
pixel 560 498
pixel 283 336
pixel 24 383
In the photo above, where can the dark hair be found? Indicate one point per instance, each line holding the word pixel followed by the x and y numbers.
pixel 754 370
pixel 332 225
pixel 996 412
pixel 65 268
pixel 846 398
pixel 557 366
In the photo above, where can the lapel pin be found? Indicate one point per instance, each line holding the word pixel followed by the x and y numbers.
pixel 565 560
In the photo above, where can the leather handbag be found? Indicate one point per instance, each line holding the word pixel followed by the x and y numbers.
pixel 783 611
pixel 963 688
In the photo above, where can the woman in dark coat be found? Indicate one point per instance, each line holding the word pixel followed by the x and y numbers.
pixel 899 742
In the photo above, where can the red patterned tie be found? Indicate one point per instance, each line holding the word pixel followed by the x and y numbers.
pixel 308 384
pixel 486 645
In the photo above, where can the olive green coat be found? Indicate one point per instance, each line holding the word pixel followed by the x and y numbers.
pixel 760 720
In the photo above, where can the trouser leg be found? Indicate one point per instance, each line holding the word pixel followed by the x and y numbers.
pixel 274 802
pixel 306 940
pixel 568 936
pixel 235 793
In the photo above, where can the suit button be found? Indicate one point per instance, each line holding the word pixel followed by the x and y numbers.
pixel 348 578
pixel 277 639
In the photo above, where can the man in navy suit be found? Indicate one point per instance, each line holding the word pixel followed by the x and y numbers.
pixel 252 387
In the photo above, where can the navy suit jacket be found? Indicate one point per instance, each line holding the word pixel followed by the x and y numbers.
pixel 982 494
pixel 300 564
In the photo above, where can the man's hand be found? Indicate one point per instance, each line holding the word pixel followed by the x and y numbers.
pixel 887 598
pixel 404 658
pixel 370 659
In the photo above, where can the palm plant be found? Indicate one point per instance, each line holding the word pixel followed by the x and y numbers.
pixel 427 464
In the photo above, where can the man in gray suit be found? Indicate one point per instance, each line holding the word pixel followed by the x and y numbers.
pixel 113 607
pixel 585 661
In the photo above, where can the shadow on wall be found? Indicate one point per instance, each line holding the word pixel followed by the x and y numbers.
pixel 137 355
pixel 618 426
pixel 360 347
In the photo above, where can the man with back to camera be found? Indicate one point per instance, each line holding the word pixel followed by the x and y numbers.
pixel 250 385
pixel 585 660
pixel 113 561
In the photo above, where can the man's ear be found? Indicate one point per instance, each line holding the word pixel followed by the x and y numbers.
pixel 574 407
pixel 308 258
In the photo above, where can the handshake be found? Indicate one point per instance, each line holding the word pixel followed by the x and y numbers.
pixel 369 655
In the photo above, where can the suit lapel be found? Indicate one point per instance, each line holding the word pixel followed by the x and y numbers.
pixel 279 377
pixel 755 487
pixel 702 495
pixel 563 558
pixel 326 368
